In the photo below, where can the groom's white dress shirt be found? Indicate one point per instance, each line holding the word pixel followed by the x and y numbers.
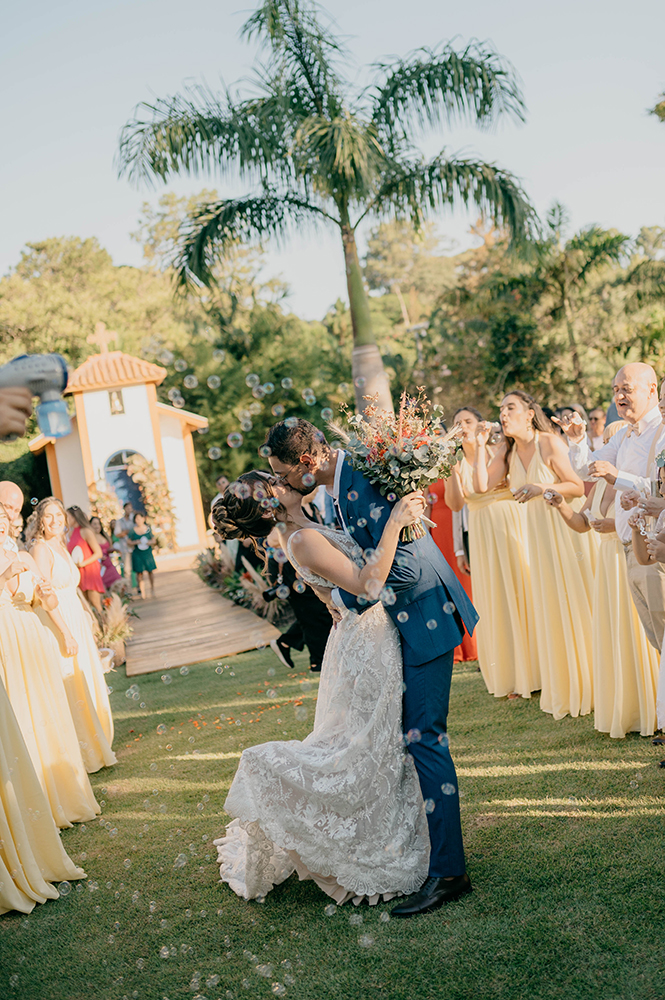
pixel 628 451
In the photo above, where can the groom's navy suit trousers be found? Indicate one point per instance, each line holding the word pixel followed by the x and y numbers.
pixel 430 609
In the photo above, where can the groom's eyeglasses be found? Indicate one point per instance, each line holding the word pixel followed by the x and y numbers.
pixel 283 480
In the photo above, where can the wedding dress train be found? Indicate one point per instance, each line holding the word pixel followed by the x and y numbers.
pixel 343 806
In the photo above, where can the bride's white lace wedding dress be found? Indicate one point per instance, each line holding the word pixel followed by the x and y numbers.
pixel 343 806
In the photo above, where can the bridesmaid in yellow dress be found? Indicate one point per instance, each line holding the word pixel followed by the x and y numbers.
pixel 561 570
pixel 625 664
pixel 31 854
pixel 30 672
pixel 85 681
pixel 499 570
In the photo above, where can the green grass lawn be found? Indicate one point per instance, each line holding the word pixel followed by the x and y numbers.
pixel 565 840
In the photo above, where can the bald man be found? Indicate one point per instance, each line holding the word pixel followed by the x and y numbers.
pixel 11 498
pixel 624 462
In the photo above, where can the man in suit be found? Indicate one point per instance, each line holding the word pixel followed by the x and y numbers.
pixel 430 609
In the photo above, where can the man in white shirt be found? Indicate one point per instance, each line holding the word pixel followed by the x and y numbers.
pixel 623 462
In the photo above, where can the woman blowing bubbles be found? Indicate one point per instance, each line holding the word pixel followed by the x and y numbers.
pixel 533 459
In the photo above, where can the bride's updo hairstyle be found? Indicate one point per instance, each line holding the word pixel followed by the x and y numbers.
pixel 240 512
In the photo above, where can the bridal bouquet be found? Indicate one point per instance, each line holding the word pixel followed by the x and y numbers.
pixel 402 452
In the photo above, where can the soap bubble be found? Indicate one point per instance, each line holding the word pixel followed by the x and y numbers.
pixel 449 608
pixel 234 440
pixel 365 940
pixel 278 989
pixel 161 728
pixel 165 357
pixel 447 788
pixel 258 392
pixel 218 355
pixel 127 863
pixel 65 888
pixel 355 919
pixel 432 624
pixel 308 479
pixel 362 522
pixel 34 501
pixel 173 393
pixel 430 806
pixel 180 365
pixel 184 671
pixel 164 952
pixel 166 678
pixel 271 693
pixel 326 413
pixel 443 739
pixel 384 918
pixel 252 381
pixel 277 410
pixel 246 425
pixel 360 382
pixel 291 422
pixel 268 387
pixel 413 736
pixel 287 383
pixel 343 387
pixel 214 453
pixel 299 587
pixel 190 381
pixel 352 496
pixel 179 403
pixel 391 497
pixel 307 392
pixel 301 713
pixel 180 861
pixel 264 451
pixel 283 592
pixel 213 381
pixel 330 910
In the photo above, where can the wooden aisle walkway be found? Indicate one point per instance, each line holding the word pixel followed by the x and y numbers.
pixel 188 622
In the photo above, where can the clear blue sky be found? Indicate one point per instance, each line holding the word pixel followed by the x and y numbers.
pixel 72 72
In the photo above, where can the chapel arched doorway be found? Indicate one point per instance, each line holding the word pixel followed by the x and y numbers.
pixel 116 475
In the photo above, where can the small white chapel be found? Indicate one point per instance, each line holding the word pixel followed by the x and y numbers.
pixel 117 415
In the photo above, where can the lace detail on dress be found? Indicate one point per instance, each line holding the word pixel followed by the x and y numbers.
pixel 347 799
pixel 341 541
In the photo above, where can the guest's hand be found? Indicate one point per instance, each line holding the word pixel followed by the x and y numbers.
pixel 652 506
pixel 572 426
pixel 604 470
pixel 70 643
pixel 483 433
pixel 636 519
pixel 630 499
pixel 463 565
pixel 15 409
pixel 656 548
pixel 553 498
pixel 529 492
pixel 603 525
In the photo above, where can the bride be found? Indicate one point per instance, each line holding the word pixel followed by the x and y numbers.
pixel 343 807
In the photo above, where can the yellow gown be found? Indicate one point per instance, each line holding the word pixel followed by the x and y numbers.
pixel 30 671
pixel 625 664
pixel 83 674
pixel 31 854
pixel 562 575
pixel 507 651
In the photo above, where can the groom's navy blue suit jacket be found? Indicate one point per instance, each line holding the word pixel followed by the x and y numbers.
pixel 420 577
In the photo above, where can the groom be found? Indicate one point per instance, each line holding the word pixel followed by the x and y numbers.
pixel 430 609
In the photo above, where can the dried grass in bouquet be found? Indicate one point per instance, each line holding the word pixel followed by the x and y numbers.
pixel 402 452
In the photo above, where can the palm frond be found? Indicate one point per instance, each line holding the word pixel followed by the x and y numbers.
pixel 338 154
pixel 217 225
pixel 597 246
pixel 474 85
pixel 646 281
pixel 292 30
pixel 196 132
pixel 412 189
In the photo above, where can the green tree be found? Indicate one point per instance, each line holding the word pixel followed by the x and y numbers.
pixel 322 154
pixel 659 109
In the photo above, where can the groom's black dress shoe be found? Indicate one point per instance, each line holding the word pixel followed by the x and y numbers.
pixel 434 893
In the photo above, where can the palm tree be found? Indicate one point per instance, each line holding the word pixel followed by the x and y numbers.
pixel 563 267
pixel 320 153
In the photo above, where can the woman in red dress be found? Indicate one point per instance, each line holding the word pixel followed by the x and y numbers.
pixel 86 553
pixel 443 536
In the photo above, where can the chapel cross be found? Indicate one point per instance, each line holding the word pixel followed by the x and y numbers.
pixel 102 337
